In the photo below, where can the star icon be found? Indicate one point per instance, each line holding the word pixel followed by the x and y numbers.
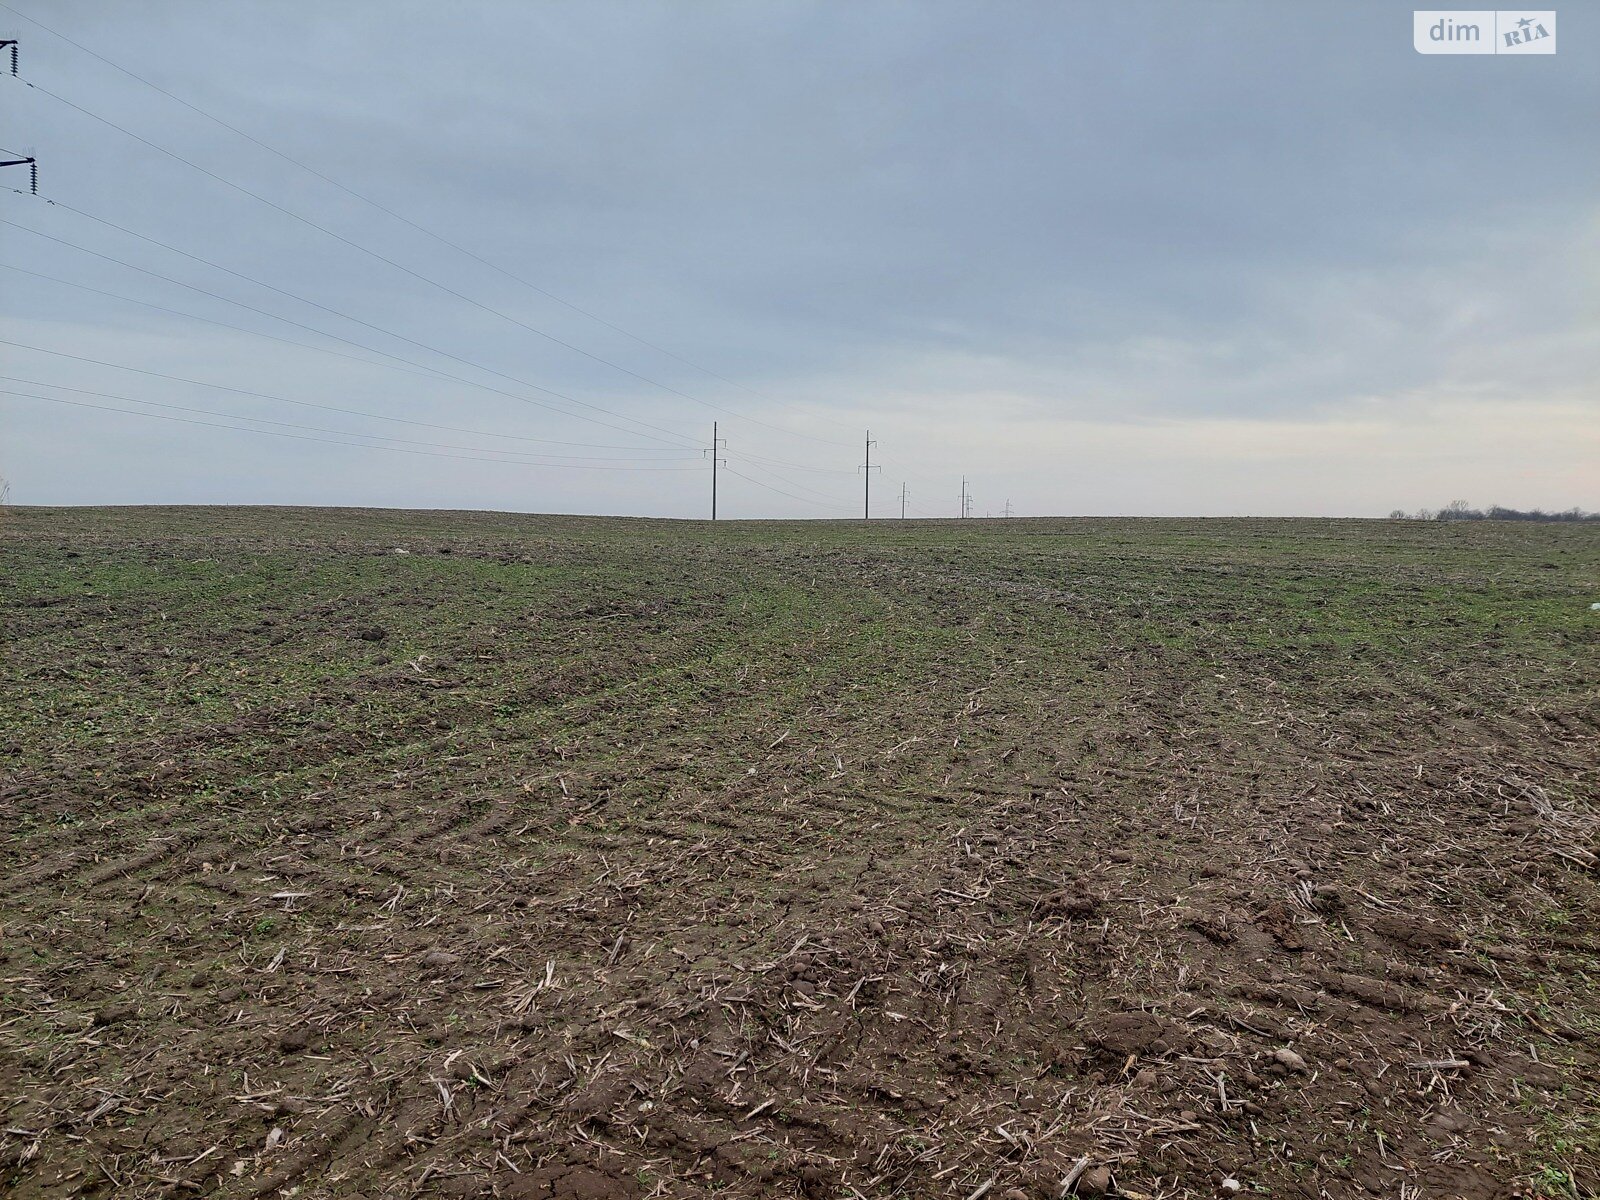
pixel 1525 22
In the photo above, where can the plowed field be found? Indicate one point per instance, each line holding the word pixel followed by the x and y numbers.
pixel 361 853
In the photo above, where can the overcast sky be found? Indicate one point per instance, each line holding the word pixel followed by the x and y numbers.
pixel 1131 258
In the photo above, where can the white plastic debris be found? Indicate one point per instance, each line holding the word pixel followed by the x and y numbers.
pixel 401 550
pixel 1594 607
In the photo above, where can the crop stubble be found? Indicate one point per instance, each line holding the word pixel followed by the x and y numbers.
pixel 601 858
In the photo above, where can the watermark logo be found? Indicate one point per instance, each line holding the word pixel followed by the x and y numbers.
pixel 1484 31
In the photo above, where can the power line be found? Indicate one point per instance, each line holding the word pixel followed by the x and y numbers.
pixel 832 501
pixel 778 462
pixel 267 396
pixel 419 370
pixel 894 467
pixel 488 308
pixel 344 316
pixel 560 459
pixel 828 503
pixel 328 441
pixel 781 492
pixel 355 320
pixel 410 366
pixel 222 387
pixel 405 363
pixel 440 238
pixel 189 316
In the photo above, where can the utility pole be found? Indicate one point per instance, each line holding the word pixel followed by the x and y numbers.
pixel 902 501
pixel 1007 511
pixel 866 478
pixel 963 510
pixel 33 167
pixel 716 444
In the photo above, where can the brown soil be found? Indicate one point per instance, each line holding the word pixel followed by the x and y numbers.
pixel 617 860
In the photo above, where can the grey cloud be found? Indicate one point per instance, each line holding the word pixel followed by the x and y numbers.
pixel 914 216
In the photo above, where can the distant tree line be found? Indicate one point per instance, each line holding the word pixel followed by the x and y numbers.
pixel 1460 510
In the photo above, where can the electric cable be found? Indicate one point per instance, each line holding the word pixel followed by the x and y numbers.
pixel 308 438
pixel 440 238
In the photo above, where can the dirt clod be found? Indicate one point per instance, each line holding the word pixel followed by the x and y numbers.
pixel 1096 1181
pixel 1327 898
pixel 1288 1059
pixel 1134 1033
